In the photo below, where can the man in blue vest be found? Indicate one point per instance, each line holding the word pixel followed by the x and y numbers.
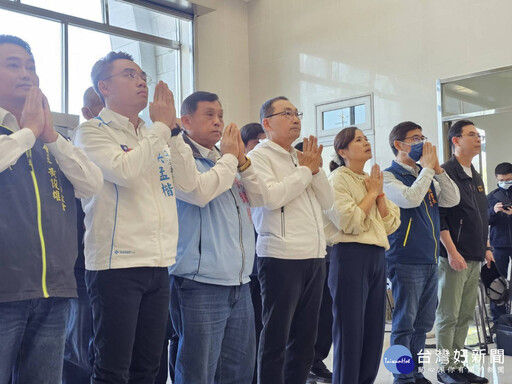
pixel 419 190
pixel 40 174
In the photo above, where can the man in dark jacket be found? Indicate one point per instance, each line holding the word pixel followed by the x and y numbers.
pixel 500 222
pixel 40 175
pixel 464 229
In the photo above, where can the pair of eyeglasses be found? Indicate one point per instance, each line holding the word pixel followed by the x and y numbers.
pixel 132 74
pixel 472 135
pixel 288 114
pixel 417 139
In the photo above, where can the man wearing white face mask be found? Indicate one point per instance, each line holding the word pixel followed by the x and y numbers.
pixel 500 223
pixel 419 190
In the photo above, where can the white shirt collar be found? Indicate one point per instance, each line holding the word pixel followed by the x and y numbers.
pixel 278 148
pixel 414 170
pixel 205 152
pixel 107 116
pixel 8 120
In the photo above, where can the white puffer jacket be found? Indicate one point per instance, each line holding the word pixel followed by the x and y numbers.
pixel 132 221
pixel 290 224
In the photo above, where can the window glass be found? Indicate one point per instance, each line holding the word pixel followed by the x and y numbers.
pixel 86 47
pixel 85 9
pixel 141 19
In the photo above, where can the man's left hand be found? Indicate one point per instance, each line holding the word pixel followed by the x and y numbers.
pixel 489 258
pixel 49 134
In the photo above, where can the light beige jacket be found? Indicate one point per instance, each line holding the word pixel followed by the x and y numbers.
pixel 345 222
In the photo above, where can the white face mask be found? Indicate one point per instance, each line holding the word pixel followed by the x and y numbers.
pixel 505 184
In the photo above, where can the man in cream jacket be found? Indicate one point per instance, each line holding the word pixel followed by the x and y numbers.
pixel 291 244
pixel 131 225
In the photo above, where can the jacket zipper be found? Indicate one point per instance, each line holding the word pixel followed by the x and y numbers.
pixel 283 228
pixel 316 222
pixel 407 232
pixel 433 231
pixel 240 235
pixel 39 223
pixel 460 229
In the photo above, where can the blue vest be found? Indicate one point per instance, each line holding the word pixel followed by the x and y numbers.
pixel 416 241
pixel 38 245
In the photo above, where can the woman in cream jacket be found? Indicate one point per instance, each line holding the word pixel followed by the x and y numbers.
pixel 358 224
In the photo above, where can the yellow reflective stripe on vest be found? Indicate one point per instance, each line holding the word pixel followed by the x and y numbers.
pixel 39 223
pixel 407 233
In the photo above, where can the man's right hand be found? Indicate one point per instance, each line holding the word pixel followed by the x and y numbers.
pixel 32 116
pixel 498 207
pixel 229 141
pixel 162 108
pixel 311 155
pixel 456 261
pixel 429 156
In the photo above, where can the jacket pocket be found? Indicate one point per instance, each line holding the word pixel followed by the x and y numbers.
pixel 283 224
pixel 407 232
pixel 460 229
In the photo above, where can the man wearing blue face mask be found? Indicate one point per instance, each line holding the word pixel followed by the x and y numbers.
pixel 419 190
pixel 500 223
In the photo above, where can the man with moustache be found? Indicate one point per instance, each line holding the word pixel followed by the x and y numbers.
pixel 464 230
pixel 291 244
pixel 211 306
pixel 132 228
pixel 40 175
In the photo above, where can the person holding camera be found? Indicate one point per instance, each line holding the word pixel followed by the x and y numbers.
pixel 500 225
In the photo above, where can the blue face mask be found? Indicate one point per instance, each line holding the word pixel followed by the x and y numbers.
pixel 416 151
pixel 505 184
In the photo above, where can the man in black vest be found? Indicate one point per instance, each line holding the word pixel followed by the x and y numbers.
pixel 464 230
pixel 40 175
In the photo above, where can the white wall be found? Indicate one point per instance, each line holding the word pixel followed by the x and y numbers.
pixel 222 58
pixel 321 50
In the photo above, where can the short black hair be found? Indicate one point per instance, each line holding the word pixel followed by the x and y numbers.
pixel 101 69
pixel 503 169
pixel 251 131
pixel 399 132
pixel 10 39
pixel 267 107
pixel 189 105
pixel 456 130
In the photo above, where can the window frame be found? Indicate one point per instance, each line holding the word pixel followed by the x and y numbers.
pixel 67 20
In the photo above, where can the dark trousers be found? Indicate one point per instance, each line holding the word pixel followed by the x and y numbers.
pixel 357 280
pixel 502 256
pixel 130 313
pixel 324 336
pixel 165 363
pixel 78 352
pixel 291 292
pixel 173 352
pixel 254 284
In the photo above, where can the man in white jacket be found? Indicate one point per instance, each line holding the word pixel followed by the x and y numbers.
pixel 132 226
pixel 290 245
